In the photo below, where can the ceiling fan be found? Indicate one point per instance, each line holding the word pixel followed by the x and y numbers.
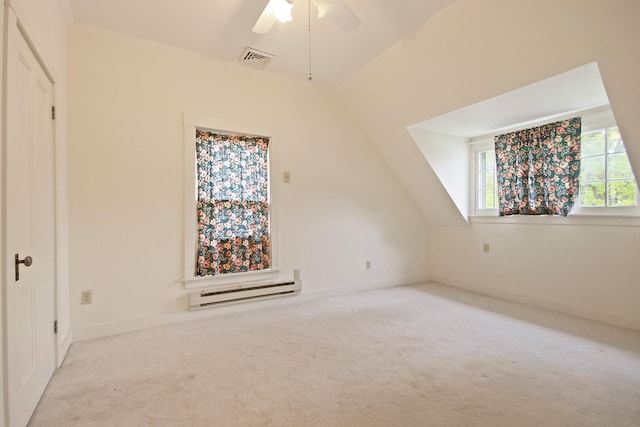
pixel 280 10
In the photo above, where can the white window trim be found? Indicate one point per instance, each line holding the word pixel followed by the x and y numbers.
pixel 597 118
pixel 574 220
pixel 190 244
pixel 476 147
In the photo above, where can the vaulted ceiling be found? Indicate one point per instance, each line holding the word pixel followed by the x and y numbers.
pixel 222 29
pixel 412 61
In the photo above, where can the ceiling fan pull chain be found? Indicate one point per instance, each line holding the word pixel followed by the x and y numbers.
pixel 309 76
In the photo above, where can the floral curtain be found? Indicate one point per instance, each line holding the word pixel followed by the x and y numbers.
pixel 233 203
pixel 538 169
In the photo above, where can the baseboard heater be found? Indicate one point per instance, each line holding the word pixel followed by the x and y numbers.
pixel 242 292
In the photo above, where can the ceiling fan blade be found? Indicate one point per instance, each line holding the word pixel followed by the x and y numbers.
pixel 267 18
pixel 323 7
pixel 340 12
pixel 344 16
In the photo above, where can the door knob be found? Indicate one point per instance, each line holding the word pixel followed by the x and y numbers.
pixel 27 261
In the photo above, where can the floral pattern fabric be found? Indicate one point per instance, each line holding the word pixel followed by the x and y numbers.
pixel 233 203
pixel 538 169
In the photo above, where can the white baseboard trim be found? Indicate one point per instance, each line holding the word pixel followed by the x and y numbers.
pixel 101 330
pixel 582 312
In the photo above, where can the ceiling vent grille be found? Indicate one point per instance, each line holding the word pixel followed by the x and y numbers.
pixel 255 58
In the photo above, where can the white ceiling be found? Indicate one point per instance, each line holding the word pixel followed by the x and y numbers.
pixel 222 29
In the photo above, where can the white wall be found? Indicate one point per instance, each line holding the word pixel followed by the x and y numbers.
pixel 448 156
pixel 126 100
pixel 586 270
pixel 473 51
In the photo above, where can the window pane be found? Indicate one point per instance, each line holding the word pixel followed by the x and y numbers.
pixel 481 199
pixel 592 143
pixel 486 199
pixel 490 177
pixel 490 199
pixel 619 166
pixel 615 141
pixel 489 160
pixel 592 169
pixel 622 193
pixel 592 195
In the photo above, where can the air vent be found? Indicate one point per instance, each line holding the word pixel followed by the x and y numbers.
pixel 255 58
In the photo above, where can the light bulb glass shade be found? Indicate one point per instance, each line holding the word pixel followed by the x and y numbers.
pixel 283 11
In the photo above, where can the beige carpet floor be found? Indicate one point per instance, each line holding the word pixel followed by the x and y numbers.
pixel 423 355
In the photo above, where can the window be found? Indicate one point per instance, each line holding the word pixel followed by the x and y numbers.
pixel 606 178
pixel 607 182
pixel 233 203
pixel 484 179
pixel 230 203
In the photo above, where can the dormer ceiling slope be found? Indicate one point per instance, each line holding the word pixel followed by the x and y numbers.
pixel 476 51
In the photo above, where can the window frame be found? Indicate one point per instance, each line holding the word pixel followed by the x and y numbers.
pixel 592 120
pixel 190 221
pixel 477 147
pixel 603 121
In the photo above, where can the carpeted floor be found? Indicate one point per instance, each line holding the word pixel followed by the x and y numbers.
pixel 423 355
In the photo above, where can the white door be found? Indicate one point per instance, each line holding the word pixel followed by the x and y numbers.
pixel 29 228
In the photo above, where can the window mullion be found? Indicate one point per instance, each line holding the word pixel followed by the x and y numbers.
pixel 483 180
pixel 606 167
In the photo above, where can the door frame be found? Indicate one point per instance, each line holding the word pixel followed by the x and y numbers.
pixel 14 19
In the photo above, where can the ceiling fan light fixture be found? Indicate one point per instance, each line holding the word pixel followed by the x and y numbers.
pixel 275 10
pixel 283 11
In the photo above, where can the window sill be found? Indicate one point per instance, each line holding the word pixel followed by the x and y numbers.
pixel 598 220
pixel 229 279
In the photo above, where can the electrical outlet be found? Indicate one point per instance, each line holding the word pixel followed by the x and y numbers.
pixel 287 177
pixel 296 274
pixel 367 265
pixel 86 297
pixel 486 248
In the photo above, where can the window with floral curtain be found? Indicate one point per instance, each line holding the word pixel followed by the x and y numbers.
pixel 233 203
pixel 538 169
